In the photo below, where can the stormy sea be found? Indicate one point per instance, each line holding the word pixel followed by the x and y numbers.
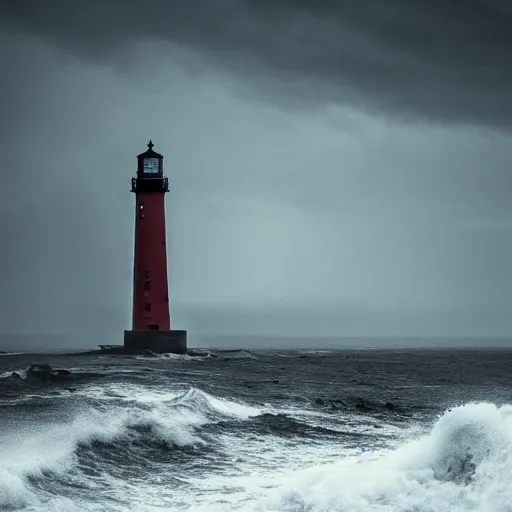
pixel 303 431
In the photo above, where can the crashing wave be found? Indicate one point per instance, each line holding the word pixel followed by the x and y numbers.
pixel 464 463
pixel 236 354
pixel 137 424
pixel 22 374
pixel 200 402
pixel 149 355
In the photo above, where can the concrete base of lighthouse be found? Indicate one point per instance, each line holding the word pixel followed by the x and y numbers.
pixel 160 342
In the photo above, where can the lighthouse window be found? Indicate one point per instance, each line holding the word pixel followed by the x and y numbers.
pixel 141 211
pixel 146 274
pixel 148 306
pixel 147 285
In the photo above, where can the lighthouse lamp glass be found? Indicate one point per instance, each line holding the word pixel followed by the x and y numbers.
pixel 151 166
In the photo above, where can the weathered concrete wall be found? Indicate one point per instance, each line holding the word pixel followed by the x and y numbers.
pixel 161 342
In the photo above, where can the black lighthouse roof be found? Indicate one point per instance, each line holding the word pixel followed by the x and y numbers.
pixel 150 153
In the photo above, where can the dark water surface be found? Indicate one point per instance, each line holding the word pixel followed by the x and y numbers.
pixel 352 430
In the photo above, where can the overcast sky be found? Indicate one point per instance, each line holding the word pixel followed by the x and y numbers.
pixel 336 167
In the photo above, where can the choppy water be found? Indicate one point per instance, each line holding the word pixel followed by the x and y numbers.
pixel 353 431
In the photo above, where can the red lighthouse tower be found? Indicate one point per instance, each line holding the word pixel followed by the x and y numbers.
pixel 151 327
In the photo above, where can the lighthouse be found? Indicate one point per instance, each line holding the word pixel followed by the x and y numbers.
pixel 151 322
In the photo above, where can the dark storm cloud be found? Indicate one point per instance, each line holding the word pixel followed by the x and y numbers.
pixel 292 221
pixel 438 59
pixel 55 257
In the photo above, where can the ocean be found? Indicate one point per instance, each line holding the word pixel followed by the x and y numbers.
pixel 292 431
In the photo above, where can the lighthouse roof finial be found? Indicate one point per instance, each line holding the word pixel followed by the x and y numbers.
pixel 150 153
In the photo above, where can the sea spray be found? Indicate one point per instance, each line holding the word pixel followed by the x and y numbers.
pixel 464 464
pixel 52 446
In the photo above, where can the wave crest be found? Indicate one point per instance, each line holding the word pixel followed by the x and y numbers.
pixel 200 402
pixel 464 463
pixel 107 428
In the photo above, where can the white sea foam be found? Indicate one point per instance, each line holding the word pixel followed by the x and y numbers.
pixel 202 402
pixel 433 473
pixel 192 399
pixel 52 446
pixel 8 375
pixel 166 356
pixel 13 493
